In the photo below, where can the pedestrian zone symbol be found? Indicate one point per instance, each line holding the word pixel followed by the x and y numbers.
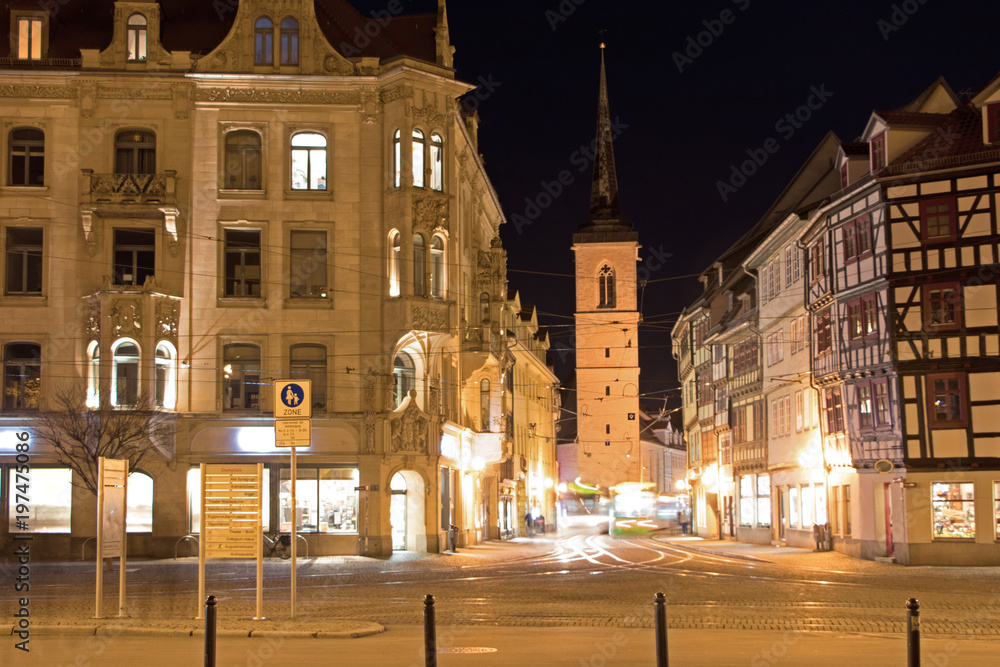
pixel 292 395
pixel 292 399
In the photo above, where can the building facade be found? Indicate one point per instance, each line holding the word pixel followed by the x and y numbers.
pixel 199 203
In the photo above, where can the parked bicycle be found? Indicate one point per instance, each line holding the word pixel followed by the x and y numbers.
pixel 278 544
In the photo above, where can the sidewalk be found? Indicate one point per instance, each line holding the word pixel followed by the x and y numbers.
pixel 742 550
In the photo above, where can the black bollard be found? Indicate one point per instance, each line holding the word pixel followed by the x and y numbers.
pixel 660 616
pixel 913 633
pixel 210 631
pixel 430 633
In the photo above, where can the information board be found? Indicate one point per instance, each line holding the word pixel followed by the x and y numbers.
pixel 113 508
pixel 231 524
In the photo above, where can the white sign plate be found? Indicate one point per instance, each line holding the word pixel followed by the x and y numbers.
pixel 292 433
pixel 293 399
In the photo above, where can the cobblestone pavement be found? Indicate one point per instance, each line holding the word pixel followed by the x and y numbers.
pixel 573 580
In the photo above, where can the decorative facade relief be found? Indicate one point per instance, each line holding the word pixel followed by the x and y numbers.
pixel 371 105
pixel 397 93
pixel 94 318
pixel 88 98
pixel 430 212
pixel 181 95
pixel 167 314
pixel 257 95
pixel 430 318
pixel 409 432
pixel 429 115
pixel 126 317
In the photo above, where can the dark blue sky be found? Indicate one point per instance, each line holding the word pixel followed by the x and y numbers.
pixel 685 120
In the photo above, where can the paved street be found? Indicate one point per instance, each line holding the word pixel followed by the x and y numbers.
pixel 572 581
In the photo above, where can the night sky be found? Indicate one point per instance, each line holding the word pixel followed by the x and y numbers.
pixel 686 114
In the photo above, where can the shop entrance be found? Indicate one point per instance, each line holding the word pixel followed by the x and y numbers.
pixel 407 512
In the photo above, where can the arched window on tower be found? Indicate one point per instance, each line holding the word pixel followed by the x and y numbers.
pixel 437 162
pixel 437 268
pixel 418 159
pixel 606 287
pixel 419 265
pixel 484 405
pixel 395 255
pixel 289 41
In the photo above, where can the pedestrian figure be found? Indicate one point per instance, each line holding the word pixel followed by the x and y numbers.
pixel 528 521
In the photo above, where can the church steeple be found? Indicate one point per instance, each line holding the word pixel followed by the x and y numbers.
pixel 605 213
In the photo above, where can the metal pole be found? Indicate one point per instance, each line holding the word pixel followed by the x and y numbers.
pixel 202 540
pixel 260 551
pixel 295 520
pixel 121 561
pixel 430 633
pixel 210 631
pixel 99 555
pixel 660 616
pixel 912 633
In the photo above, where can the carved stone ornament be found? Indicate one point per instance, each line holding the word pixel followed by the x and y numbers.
pixel 167 313
pixel 409 431
pixel 397 93
pixel 94 318
pixel 371 105
pixel 88 98
pixel 429 115
pixel 430 212
pixel 181 94
pixel 47 92
pixel 126 317
pixel 252 95
pixel 430 318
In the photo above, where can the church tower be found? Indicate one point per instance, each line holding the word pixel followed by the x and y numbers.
pixel 606 250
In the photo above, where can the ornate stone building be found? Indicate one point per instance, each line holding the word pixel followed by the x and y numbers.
pixel 203 198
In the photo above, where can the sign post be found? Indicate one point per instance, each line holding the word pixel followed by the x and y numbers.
pixel 292 428
pixel 112 494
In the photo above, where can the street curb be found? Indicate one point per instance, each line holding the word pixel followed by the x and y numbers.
pixel 367 629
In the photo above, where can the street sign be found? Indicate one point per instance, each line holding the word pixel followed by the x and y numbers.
pixel 293 399
pixel 292 432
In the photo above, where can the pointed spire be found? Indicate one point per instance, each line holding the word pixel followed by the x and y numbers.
pixel 604 209
pixel 445 51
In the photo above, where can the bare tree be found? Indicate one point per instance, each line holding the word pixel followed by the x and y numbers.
pixel 79 435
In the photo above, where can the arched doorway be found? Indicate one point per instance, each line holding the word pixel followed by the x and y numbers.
pixel 407 514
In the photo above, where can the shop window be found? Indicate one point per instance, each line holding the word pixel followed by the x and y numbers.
pixel 241 377
pixel 24 261
pixel 326 500
pixel 139 516
pixel 289 41
pixel 938 220
pixel 953 510
pixel 26 166
pixel 135 152
pixel 51 506
pixel 747 500
pixel 418 159
pixel 308 264
pixel 166 376
pixel 125 373
pixel 134 256
pixel 395 262
pixel 847 510
pixel 308 362
pixel 404 376
pixel 194 501
pixel 437 162
pixel 263 41
pixel 419 265
pixel 943 306
pixel 946 400
pixel 243 161
pixel 437 268
pixel 606 287
pixel 308 161
pixel 93 374
pixel 135 38
pixel 996 509
pixel 763 500
pixel 484 405
pixel 242 256
pixel 30 33
pixel 793 507
pixel 22 376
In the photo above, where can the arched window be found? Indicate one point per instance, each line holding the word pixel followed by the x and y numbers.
pixel 94 375
pixel 308 161
pixel 135 152
pixel 484 307
pixel 397 158
pixel 606 287
pixel 418 159
pixel 263 32
pixel 166 376
pixel 22 376
pixel 404 378
pixel 125 373
pixel 289 41
pixel 437 162
pixel 308 362
pixel 135 37
pixel 437 268
pixel 243 163
pixel 27 157
pixel 419 264
pixel 395 257
pixel 484 405
pixel 139 516
pixel 241 377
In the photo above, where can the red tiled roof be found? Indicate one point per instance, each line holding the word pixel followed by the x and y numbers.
pixel 911 118
pixel 959 134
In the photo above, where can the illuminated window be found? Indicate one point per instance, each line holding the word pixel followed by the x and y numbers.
pixel 125 373
pixel 419 265
pixel 309 363
pixel 166 376
pixel 437 162
pixel 484 405
pixel 946 400
pixel 242 259
pixel 289 41
pixel 943 306
pixel 139 515
pixel 308 264
pixel 953 510
pixel 396 158
pixel 866 418
pixel 22 376
pixel 326 500
pixel 135 256
pixel 135 37
pixel 418 159
pixel 243 161
pixel 194 502
pixel 938 220
pixel 94 375
pixel 404 376
pixel 308 161
pixel 51 505
pixel 135 152
pixel 763 500
pixel 747 500
pixel 606 287
pixel 395 262
pixel 27 157
pixel 241 377
pixel 880 390
pixel 29 37
pixel 263 41
pixel 437 268
pixel 24 261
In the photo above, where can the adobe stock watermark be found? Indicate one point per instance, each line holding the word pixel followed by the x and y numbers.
pixel 582 159
pixel 900 14
pixel 697 43
pixel 562 12
pixel 786 126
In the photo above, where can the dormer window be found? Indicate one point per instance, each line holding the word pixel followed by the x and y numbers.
pixel 878 151
pixel 993 122
pixel 29 37
pixel 135 37
pixel 289 41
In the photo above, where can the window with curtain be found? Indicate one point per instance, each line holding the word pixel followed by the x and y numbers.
pixel 29 37
pixel 437 268
pixel 437 162
pixel 308 161
pixel 241 377
pixel 94 375
pixel 27 157
pixel 125 373
pixel 243 161
pixel 166 376
pixel 418 159
pixel 135 152
pixel 135 38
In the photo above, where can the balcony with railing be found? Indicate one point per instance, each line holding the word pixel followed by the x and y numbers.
pixel 129 189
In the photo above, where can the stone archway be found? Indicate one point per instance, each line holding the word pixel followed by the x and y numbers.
pixel 407 511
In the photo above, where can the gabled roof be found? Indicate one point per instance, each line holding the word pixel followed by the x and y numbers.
pixel 936 97
pixel 912 119
pixel 854 148
pixel 961 134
